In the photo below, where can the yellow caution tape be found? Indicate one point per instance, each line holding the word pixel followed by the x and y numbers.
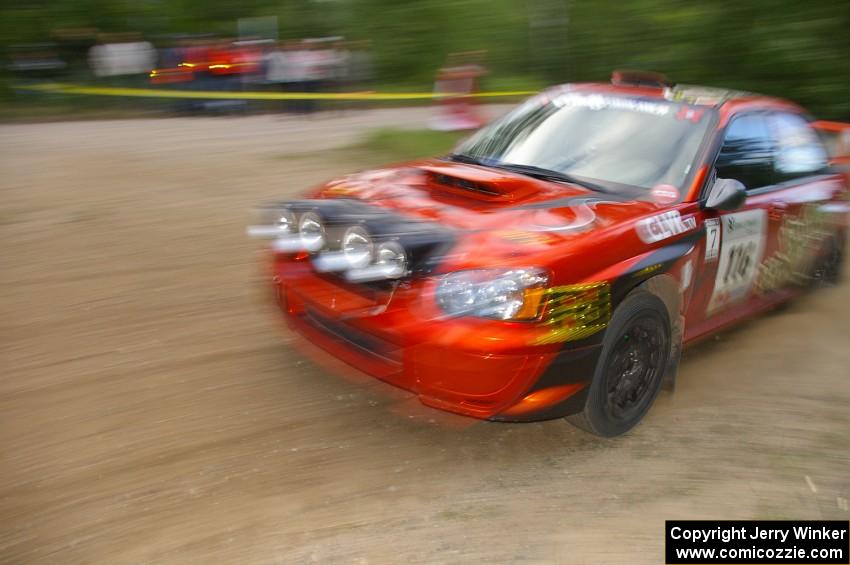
pixel 237 95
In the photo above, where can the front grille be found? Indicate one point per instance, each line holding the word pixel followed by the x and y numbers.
pixel 377 291
pixel 365 343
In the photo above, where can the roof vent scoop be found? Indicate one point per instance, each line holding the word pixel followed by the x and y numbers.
pixel 640 78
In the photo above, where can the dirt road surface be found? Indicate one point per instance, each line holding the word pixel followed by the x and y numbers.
pixel 151 411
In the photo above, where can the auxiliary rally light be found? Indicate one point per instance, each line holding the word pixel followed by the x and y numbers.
pixel 337 245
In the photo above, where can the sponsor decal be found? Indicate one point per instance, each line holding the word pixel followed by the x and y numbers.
pixel 744 236
pixel 358 182
pixel 582 208
pixel 835 207
pixel 584 217
pixel 526 237
pixel 695 95
pixel 601 102
pixel 339 190
pixel 691 114
pixel 800 237
pixel 575 312
pixel 664 193
pixel 647 270
pixel 663 226
pixel 687 275
pixel 712 239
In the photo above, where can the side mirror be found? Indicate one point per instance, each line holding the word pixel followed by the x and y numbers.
pixel 726 194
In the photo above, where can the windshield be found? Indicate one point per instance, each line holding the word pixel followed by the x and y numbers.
pixel 610 140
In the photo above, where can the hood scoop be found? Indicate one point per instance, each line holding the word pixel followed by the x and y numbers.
pixel 480 183
pixel 465 184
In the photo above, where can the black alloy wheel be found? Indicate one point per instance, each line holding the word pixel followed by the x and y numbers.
pixel 631 366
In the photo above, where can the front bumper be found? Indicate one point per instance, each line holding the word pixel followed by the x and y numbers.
pixel 477 368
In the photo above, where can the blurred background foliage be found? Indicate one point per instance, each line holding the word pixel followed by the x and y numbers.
pixel 799 50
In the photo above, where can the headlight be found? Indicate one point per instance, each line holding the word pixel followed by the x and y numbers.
pixel 311 232
pixel 515 294
pixel 357 247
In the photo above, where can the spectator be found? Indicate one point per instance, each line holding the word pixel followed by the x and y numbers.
pixel 456 82
pixel 360 64
pixel 281 71
pixel 306 74
pixel 122 59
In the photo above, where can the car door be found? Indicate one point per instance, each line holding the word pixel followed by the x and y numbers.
pixel 737 241
pixel 760 254
pixel 804 184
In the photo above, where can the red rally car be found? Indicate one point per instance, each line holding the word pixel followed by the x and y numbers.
pixel 556 263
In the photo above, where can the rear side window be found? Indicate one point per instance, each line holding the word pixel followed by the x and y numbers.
pixel 747 152
pixel 799 151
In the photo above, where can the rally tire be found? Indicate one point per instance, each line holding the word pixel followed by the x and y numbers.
pixel 631 367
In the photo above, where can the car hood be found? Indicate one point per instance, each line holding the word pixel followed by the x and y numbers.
pixel 475 198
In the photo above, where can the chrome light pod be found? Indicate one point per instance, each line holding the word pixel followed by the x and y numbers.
pixel 311 232
pixel 390 263
pixel 285 222
pixel 275 222
pixel 289 232
pixel 391 256
pixel 357 247
pixel 359 241
pixel 355 252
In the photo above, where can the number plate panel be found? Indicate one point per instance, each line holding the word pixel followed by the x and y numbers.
pixel 741 251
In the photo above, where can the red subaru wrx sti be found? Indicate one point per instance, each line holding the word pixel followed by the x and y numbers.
pixel 556 262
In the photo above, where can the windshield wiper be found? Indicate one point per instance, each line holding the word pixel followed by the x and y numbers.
pixel 548 174
pixel 469 159
pixel 528 170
